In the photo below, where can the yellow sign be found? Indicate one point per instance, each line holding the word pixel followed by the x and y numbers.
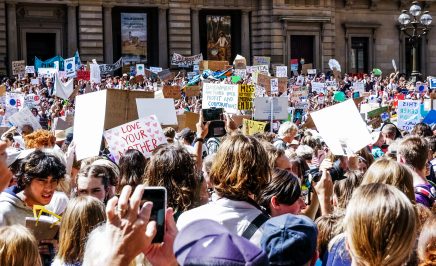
pixel 251 127
pixel 245 96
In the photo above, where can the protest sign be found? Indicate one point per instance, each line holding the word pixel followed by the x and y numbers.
pixel 95 73
pixel 251 127
pixel 63 90
pixel 186 61
pixel 154 70
pixel 140 70
pixel 30 70
pixel 261 60
pixel 274 85
pixel 46 72
pixel 311 71
pixel 398 97
pixel 240 73
pixel 300 81
pixel 24 117
pixel 375 116
pixel 70 67
pixel 166 75
pixel 265 81
pixel 144 135
pixel 262 108
pixel 220 96
pixel 359 87
pixel 31 100
pixel 342 128
pixel 83 75
pixel 163 108
pixel 60 123
pixel 282 71
pixel 171 92
pixel 264 69
pixel 14 100
pixel 245 97
pixel 305 68
pixel 192 91
pixel 331 85
pixel 2 90
pixel 432 83
pixel 294 64
pixel 318 87
pixel 188 120
pixel 213 65
pixel 108 68
pixel 18 67
pixel 299 93
pixel 408 114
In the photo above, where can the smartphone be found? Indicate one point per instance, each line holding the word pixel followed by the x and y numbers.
pixel 213 114
pixel 157 195
pixel 217 128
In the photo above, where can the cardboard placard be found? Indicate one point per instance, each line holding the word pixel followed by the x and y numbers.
pixel 188 120
pixel 163 109
pixel 305 68
pixel 144 135
pixel 18 67
pixel 246 96
pixel 166 75
pixel 262 108
pixel 238 119
pixel 265 81
pixel 192 91
pixel 220 96
pixel 2 90
pixel 251 127
pixel 261 60
pixel 171 92
pixel 409 114
pixel 213 65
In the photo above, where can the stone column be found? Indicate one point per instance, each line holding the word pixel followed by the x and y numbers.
pixel 108 40
pixel 245 35
pixel 163 38
pixel 12 35
pixel 195 32
pixel 72 30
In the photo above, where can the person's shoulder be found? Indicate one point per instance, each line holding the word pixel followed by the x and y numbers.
pixel 201 212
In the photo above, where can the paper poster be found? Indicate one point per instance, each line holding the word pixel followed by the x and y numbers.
pixel 88 129
pixel 14 100
pixel 220 96
pixel 140 70
pixel 63 90
pixel 46 72
pixel 432 83
pixel 70 67
pixel 311 71
pixel 134 37
pixel 163 109
pixel 3 92
pixel 342 128
pixel 262 108
pixel 189 120
pixel 155 69
pixel 331 85
pixel 300 81
pixel 261 60
pixel 144 135
pixel 240 72
pixel 24 117
pixel 219 37
pixel 30 70
pixel 171 92
pixel 18 67
pixel 251 127
pixel 318 87
pixel 95 73
pixel 274 85
pixel 264 69
pixel 83 75
pixel 186 61
pixel 299 93
pixel 245 96
pixel 282 71
pixel 192 91
pixel 294 64
pixel 31 100
pixel 408 114
pixel 359 87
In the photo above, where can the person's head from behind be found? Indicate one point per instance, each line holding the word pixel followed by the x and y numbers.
pixel 132 167
pixel 276 157
pixel 290 240
pixel 422 130
pixel 413 151
pixel 380 226
pixel 170 134
pixel 26 130
pixel 94 180
pixel 173 167
pixel 18 247
pixel 389 132
pixel 427 243
pixel 82 215
pixel 282 194
pixel 329 226
pixel 288 131
pixel 241 169
pixel 38 176
pixel 343 189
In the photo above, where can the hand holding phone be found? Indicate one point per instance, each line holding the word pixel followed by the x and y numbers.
pixel 157 195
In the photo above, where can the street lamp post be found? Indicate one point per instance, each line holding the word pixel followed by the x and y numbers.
pixel 415 26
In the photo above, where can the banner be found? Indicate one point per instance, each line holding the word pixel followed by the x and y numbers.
pixel 408 114
pixel 18 67
pixel 50 63
pixel 70 67
pixel 251 127
pixel 220 96
pixel 171 92
pixel 245 97
pixel 108 68
pixel 144 135
pixel 186 61
pixel 63 90
pixel 134 37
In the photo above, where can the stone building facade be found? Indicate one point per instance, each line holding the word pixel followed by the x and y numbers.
pixel 360 34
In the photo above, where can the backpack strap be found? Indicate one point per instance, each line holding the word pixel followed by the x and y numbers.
pixel 254 225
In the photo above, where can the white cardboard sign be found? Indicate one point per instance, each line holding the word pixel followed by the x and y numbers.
pixel 163 109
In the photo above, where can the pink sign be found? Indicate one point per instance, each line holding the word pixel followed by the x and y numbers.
pixel 144 134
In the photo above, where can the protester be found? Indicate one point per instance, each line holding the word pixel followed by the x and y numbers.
pixel 427 243
pixel 18 246
pixel 132 167
pixel 94 180
pixel 286 134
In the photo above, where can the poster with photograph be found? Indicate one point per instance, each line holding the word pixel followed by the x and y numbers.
pixel 134 37
pixel 219 38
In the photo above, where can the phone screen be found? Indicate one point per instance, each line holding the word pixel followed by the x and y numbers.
pixel 212 114
pixel 157 195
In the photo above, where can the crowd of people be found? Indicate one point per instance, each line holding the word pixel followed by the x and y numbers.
pixel 278 197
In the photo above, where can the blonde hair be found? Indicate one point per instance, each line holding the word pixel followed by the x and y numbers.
pixel 18 247
pixel 82 215
pixel 427 243
pixel 388 171
pixel 380 225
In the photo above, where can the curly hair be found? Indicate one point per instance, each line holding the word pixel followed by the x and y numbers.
pixel 173 167
pixel 40 139
pixel 132 168
pixel 241 168
pixel 39 164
